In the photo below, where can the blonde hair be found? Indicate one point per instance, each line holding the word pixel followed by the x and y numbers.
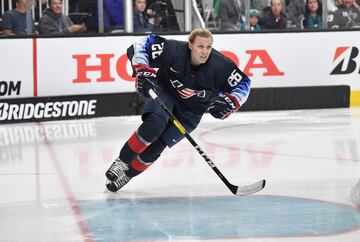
pixel 205 33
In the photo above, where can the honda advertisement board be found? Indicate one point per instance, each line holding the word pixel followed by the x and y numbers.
pixel 93 65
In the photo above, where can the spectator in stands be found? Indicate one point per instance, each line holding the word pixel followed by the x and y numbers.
pixel 254 20
pixel 164 13
pixel 295 12
pixel 346 16
pixel 113 15
pixel 54 22
pixel 141 21
pixel 274 16
pixel 14 21
pixel 230 15
pixel 85 11
pixel 313 15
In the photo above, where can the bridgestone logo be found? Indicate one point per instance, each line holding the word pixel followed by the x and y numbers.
pixel 47 110
pixel 54 132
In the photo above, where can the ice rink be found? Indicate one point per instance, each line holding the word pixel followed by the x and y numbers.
pixel 52 181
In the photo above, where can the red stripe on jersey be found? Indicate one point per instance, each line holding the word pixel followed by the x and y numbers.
pixel 142 66
pixel 135 144
pixel 138 165
pixel 186 93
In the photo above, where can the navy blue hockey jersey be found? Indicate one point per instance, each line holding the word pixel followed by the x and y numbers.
pixel 193 87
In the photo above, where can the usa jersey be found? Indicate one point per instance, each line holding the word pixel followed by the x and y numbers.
pixel 193 87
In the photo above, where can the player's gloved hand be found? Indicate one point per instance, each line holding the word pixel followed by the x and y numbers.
pixel 145 80
pixel 223 106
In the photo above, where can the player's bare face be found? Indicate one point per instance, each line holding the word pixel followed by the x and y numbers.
pixel 200 50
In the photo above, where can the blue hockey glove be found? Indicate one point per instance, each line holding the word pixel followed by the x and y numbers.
pixel 223 106
pixel 145 80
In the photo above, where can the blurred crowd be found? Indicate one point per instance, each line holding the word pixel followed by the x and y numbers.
pixel 19 17
pixel 230 15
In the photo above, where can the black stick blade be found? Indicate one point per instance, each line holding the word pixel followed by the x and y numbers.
pixel 250 189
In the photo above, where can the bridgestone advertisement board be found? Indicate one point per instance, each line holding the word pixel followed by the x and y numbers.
pixel 68 107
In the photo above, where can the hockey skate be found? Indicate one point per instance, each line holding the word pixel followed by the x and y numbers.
pixel 116 170
pixel 118 184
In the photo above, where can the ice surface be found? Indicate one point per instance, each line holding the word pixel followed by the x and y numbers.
pixel 52 181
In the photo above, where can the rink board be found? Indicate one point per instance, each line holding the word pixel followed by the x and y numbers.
pixel 119 104
pixel 55 68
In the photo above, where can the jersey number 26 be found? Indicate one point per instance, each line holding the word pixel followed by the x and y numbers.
pixel 234 78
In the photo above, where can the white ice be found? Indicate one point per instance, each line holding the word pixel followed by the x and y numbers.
pixel 52 180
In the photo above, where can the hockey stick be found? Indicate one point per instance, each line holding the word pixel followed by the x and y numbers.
pixel 236 190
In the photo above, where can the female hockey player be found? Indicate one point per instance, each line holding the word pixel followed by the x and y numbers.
pixel 191 78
